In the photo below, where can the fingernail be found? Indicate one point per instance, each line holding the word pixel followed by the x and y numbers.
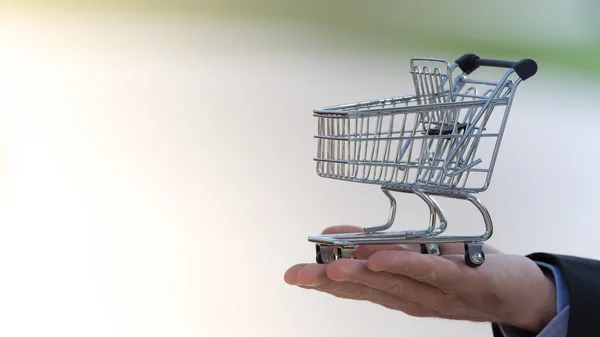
pixel 374 268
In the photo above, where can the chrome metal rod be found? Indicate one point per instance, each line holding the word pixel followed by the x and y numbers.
pixel 396 237
pixel 391 217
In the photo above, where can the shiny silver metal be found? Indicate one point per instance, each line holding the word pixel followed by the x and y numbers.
pixel 441 141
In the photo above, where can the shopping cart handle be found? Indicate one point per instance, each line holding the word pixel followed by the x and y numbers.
pixel 524 68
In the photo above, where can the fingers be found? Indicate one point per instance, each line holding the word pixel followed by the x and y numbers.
pixel 291 275
pixel 359 292
pixel 400 286
pixel 363 252
pixel 436 271
pixel 459 248
pixel 315 277
pixel 342 229
pixel 312 275
pixel 487 249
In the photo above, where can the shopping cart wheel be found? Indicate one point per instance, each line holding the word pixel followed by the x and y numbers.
pixel 430 248
pixel 346 252
pixel 474 255
pixel 325 254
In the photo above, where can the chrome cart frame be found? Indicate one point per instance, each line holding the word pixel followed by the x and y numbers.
pixel 441 141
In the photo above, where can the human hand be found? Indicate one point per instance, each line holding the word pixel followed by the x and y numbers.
pixel 507 289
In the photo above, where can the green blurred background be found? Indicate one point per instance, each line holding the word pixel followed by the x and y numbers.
pixel 562 34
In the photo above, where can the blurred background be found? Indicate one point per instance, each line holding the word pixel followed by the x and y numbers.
pixel 156 172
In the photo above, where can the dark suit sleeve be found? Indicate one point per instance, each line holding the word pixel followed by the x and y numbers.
pixel 582 277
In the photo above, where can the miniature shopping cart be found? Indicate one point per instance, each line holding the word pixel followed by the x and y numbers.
pixel 441 141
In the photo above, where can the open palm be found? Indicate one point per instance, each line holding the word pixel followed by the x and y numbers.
pixel 507 289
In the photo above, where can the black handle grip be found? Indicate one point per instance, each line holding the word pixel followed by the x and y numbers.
pixel 524 68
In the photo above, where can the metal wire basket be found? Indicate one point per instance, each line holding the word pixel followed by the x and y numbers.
pixel 441 141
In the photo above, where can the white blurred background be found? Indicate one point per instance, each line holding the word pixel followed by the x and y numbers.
pixel 156 173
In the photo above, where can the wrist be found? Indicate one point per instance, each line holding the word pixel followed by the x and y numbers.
pixel 535 317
